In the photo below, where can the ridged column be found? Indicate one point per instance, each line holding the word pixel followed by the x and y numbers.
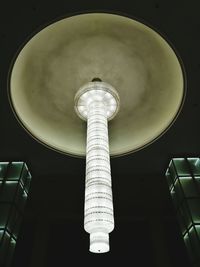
pixel 97 102
pixel 99 220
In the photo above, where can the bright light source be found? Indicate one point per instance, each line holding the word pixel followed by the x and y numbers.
pixel 99 219
pixel 99 242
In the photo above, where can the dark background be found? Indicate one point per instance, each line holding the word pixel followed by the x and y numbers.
pixel 146 232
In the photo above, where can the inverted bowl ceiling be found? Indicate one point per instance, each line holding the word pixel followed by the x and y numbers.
pixel 129 55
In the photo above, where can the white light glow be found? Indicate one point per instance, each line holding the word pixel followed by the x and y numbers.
pixel 194 160
pixel 99 220
pixel 112 108
pixel 85 95
pixel 13 241
pixel 185 177
pixel 108 95
pixel 85 113
pixel 81 108
pixel 108 113
pixel 25 194
pixel 100 105
pixel 99 242
pixel 102 94
pixel 112 101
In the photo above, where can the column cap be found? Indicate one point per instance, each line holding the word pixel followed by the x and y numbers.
pixel 97 91
pixel 99 242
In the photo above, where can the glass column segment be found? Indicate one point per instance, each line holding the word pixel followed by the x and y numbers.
pixel 97 103
pixel 99 220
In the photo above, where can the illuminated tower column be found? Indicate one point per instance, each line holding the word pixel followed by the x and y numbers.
pixel 97 102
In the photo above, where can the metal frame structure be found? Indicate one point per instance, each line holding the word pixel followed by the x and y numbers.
pixel 183 177
pixel 15 181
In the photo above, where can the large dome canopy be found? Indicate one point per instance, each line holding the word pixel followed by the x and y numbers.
pixel 129 55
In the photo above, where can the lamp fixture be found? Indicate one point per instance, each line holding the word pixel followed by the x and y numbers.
pixel 97 102
pixel 97 52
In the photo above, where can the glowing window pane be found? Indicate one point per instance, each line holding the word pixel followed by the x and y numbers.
pixel 14 171
pixel 181 166
pixel 195 165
